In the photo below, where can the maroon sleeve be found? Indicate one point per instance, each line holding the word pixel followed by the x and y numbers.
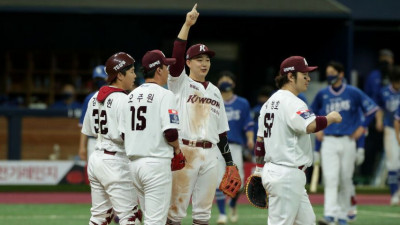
pixel 171 134
pixel 179 54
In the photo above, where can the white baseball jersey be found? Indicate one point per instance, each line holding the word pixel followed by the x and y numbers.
pixel 104 119
pixel 202 111
pixel 283 123
pixel 150 110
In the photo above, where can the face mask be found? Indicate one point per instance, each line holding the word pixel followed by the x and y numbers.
pixel 100 83
pixel 332 78
pixel 225 86
pixel 384 67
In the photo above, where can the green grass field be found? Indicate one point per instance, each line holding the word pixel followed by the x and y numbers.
pixel 74 214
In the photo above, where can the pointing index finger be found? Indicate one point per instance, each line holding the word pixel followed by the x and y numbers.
pixel 194 7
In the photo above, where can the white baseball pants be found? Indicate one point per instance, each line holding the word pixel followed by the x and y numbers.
pixel 111 187
pixel 152 178
pixel 392 149
pixel 288 200
pixel 338 161
pixel 198 179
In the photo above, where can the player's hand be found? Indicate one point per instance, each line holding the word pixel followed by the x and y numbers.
pixel 191 17
pixel 317 158
pixel 82 153
pixel 334 117
pixel 258 171
pixel 360 156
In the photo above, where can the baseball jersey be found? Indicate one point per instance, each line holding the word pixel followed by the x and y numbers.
pixel 148 112
pixel 283 124
pixel 397 114
pixel 348 100
pixel 104 119
pixel 201 110
pixel 388 99
pixel 239 119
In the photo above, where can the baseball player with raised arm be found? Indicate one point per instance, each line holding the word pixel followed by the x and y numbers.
pixel 150 124
pixel 203 125
pixel 338 148
pixel 240 135
pixel 389 101
pixel 284 143
pixel 110 181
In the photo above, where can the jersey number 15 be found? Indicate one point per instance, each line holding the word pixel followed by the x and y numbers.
pixel 138 115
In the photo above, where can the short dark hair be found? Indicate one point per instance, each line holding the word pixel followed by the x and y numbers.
pixel 150 74
pixel 336 65
pixel 227 73
pixel 123 71
pixel 282 79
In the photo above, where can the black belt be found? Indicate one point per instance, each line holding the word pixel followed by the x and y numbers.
pixel 109 153
pixel 337 135
pixel 200 144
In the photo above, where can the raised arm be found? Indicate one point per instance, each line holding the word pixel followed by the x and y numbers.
pixel 321 122
pixel 180 43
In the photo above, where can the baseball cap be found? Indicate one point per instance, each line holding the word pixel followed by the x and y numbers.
pixel 199 49
pixel 155 58
pixel 99 72
pixel 296 63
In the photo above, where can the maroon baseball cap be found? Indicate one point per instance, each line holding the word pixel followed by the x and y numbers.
pixel 296 63
pixel 155 58
pixel 116 63
pixel 199 49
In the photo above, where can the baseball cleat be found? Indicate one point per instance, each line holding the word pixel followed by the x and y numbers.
pixel 352 214
pixel 222 219
pixel 342 222
pixel 233 216
pixel 327 220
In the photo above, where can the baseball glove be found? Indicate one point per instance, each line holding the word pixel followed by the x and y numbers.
pixel 178 162
pixel 256 193
pixel 231 181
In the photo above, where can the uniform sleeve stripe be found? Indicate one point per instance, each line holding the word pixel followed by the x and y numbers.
pixel 371 111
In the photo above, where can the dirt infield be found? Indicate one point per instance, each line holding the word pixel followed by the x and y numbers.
pixel 73 197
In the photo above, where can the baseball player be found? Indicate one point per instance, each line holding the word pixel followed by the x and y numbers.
pixel 110 181
pixel 338 149
pixel 283 142
pixel 352 212
pixel 389 100
pixel 203 126
pixel 240 135
pixel 87 144
pixel 150 123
